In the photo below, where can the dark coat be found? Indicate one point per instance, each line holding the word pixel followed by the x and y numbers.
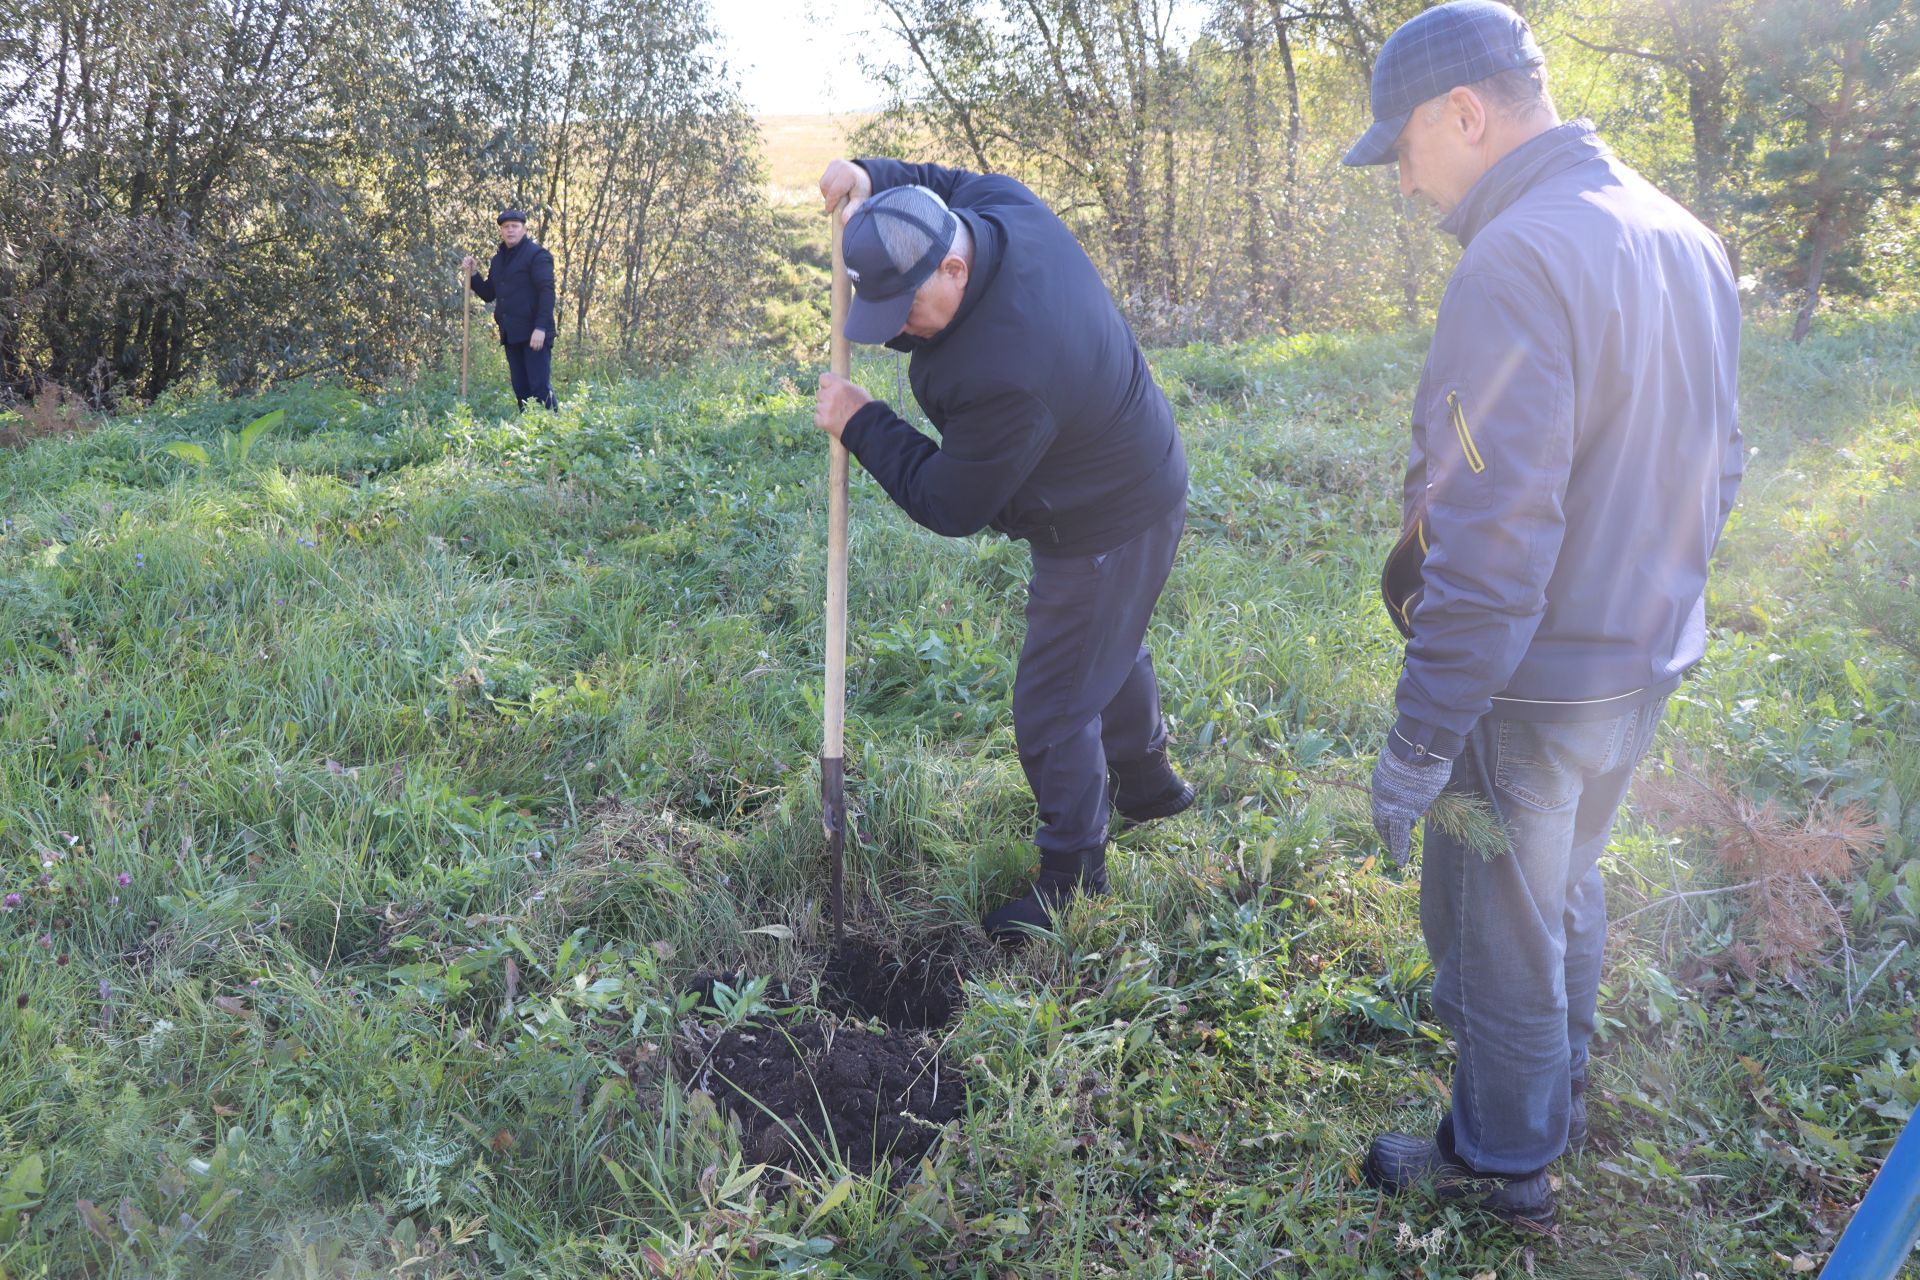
pixel 519 284
pixel 1051 426
pixel 1576 447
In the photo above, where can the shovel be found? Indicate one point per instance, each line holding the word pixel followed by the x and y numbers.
pixel 833 763
pixel 466 331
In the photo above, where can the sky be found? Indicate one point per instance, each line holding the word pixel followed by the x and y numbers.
pixel 796 57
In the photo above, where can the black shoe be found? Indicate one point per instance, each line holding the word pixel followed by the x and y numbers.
pixel 1061 877
pixel 1577 1122
pixel 1399 1162
pixel 1148 791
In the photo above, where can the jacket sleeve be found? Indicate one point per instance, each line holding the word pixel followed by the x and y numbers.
pixel 482 287
pixel 961 187
pixel 1498 444
pixel 989 446
pixel 543 291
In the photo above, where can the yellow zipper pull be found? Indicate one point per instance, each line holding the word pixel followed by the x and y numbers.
pixel 1467 446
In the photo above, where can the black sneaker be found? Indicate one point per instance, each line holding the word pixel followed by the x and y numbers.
pixel 1149 794
pixel 1577 1122
pixel 1399 1162
pixel 1061 878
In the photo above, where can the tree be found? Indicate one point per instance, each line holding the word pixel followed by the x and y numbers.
pixel 1697 44
pixel 1088 96
pixel 1842 77
pixel 253 190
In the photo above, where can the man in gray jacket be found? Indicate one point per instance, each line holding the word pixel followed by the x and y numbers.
pixel 1575 454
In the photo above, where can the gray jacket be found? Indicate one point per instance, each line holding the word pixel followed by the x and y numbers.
pixel 1576 447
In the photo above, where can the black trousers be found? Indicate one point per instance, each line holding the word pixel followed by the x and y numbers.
pixel 532 372
pixel 1084 693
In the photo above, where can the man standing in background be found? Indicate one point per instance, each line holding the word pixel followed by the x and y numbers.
pixel 1576 451
pixel 519 284
pixel 1051 430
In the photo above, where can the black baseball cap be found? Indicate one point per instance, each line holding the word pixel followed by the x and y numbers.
pixel 1462 42
pixel 892 245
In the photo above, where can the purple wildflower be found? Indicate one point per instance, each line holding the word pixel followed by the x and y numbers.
pixel 13 900
pixel 46 942
pixel 123 879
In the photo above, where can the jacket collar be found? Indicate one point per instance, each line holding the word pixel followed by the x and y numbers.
pixel 989 248
pixel 1519 171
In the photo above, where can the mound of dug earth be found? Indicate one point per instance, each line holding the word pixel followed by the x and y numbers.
pixel 821 1088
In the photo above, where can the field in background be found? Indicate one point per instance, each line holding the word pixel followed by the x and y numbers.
pixel 373 797
pixel 798 148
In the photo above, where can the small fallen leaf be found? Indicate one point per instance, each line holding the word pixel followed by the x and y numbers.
pixel 1801 1263
pixel 232 1004
pixel 779 931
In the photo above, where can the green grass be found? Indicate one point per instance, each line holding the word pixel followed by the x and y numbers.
pixel 441 747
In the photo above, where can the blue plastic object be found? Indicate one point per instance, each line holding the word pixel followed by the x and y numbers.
pixel 1877 1243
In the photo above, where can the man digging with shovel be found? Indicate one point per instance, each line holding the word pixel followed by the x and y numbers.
pixel 1051 430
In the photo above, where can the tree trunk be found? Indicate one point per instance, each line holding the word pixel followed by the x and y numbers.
pixel 1251 173
pixel 1409 259
pixel 1290 193
pixel 1826 205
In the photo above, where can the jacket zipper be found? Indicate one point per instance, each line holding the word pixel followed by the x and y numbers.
pixel 1474 460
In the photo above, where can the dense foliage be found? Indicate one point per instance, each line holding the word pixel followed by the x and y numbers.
pixel 245 191
pixel 1203 167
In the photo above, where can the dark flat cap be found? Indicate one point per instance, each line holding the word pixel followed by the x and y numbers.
pixel 511 215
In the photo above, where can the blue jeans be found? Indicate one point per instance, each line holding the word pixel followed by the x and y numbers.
pixel 1517 939
pixel 1084 694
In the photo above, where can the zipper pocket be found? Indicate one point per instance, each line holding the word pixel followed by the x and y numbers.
pixel 1474 461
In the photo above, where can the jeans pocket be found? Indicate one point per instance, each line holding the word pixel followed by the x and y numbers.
pixel 1530 769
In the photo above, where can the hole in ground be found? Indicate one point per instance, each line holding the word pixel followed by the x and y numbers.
pixel 866 980
pixel 830 1089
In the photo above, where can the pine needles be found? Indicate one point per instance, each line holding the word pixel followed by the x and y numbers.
pixel 1777 861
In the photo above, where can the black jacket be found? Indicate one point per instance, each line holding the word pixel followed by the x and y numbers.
pixel 519 284
pixel 1051 427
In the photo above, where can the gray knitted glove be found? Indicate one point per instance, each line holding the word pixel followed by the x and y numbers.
pixel 1402 792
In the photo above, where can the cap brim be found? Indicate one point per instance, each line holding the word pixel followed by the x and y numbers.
pixel 877 322
pixel 1376 144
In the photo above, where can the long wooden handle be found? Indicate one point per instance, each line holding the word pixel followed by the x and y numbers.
pixel 833 748
pixel 841 363
pixel 466 331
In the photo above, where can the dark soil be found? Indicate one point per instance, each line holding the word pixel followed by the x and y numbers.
pixel 834 1090
pixel 920 992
